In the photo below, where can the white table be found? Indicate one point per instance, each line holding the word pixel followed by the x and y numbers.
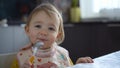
pixel 111 60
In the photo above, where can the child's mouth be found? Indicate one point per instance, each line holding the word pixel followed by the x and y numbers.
pixel 42 39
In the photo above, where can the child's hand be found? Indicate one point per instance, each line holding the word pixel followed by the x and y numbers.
pixel 84 60
pixel 27 64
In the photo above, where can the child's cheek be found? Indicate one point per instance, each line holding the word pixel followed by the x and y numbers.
pixel 52 40
pixel 32 38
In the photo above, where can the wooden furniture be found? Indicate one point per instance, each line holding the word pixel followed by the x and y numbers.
pixel 91 39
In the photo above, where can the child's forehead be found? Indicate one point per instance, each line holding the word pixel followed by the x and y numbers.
pixel 52 18
pixel 48 14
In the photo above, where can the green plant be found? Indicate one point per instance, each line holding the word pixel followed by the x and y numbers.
pixel 75 3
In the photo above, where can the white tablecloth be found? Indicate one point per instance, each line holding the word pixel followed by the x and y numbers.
pixel 111 60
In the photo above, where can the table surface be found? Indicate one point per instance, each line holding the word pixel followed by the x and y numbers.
pixel 107 61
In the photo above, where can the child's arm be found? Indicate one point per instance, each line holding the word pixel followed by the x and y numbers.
pixel 24 61
pixel 27 64
pixel 84 60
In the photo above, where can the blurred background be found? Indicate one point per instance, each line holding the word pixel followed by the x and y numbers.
pixel 92 27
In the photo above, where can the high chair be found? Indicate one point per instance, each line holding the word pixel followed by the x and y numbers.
pixel 6 60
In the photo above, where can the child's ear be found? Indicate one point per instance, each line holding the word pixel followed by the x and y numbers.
pixel 26 30
pixel 58 36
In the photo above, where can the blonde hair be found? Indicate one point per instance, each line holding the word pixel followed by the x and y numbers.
pixel 49 8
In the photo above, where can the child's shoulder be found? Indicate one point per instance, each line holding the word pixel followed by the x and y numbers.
pixel 26 47
pixel 25 50
pixel 62 49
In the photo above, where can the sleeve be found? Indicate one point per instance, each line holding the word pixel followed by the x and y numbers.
pixel 23 56
pixel 69 59
pixel 16 61
pixel 66 54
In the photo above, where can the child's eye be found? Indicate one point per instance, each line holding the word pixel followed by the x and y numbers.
pixel 38 26
pixel 51 28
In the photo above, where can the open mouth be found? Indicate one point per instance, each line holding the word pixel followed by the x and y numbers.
pixel 42 39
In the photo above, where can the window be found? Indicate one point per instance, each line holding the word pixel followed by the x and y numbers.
pixel 100 8
pixel 105 4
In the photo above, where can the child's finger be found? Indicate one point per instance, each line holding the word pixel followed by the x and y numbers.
pixel 27 64
pixel 89 60
pixel 81 60
pixel 85 60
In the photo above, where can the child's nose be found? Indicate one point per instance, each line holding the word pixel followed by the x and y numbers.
pixel 43 33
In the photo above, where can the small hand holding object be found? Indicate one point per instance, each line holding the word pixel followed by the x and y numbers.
pixel 35 48
pixel 84 60
pixel 29 63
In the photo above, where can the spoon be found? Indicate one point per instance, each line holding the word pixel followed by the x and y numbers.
pixel 35 48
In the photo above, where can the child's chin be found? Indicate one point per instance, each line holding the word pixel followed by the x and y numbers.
pixel 43 48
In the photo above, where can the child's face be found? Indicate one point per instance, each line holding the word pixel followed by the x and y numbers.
pixel 43 28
